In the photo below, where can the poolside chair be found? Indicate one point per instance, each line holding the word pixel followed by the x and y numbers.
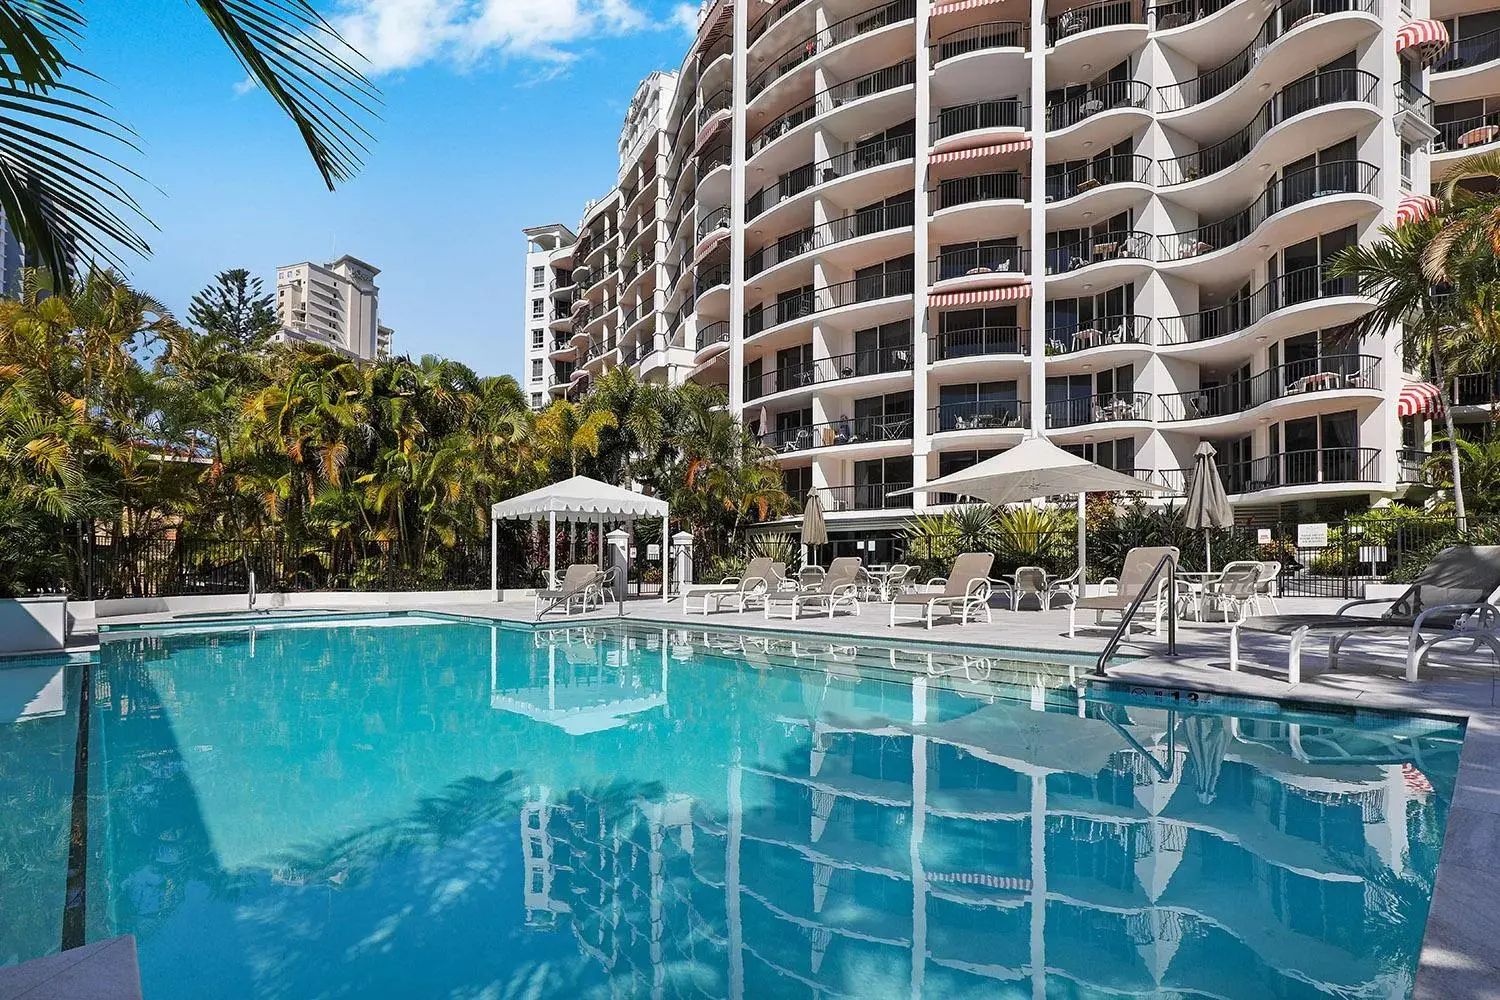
pixel 1235 591
pixel 839 589
pixel 966 592
pixel 1450 599
pixel 580 586
pixel 1139 564
pixel 1268 586
pixel 1031 581
pixel 735 589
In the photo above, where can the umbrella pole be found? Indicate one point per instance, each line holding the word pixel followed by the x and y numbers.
pixel 1208 549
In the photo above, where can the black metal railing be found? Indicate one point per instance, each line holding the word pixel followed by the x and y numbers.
pixel 1471 51
pixel 978 258
pixel 978 37
pixel 1325 87
pixel 1101 331
pixel 835 34
pixel 845 293
pixel 1293 379
pixel 1323 180
pixel 808 175
pixel 712 159
pixel 1104 97
pixel 1468 133
pixel 717 219
pixel 1413 100
pixel 901 74
pixel 713 104
pixel 1302 468
pixel 879 361
pixel 1009 184
pixel 1411 466
pixel 1007 113
pixel 1177 13
pixel 1476 389
pixel 1130 245
pixel 1103 407
pixel 710 278
pixel 867 496
pixel 770 17
pixel 1175 480
pixel 978 414
pixel 713 333
pixel 845 430
pixel 1286 16
pixel 1293 288
pixel 1102 14
pixel 978 342
pixel 865 222
pixel 1116 169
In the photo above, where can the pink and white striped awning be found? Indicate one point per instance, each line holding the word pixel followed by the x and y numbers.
pixel 1427 38
pixel 1416 208
pixel 1010 293
pixel 953 8
pixel 1422 398
pixel 978 151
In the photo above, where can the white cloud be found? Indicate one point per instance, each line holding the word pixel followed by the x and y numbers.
pixel 685 16
pixel 245 86
pixel 401 34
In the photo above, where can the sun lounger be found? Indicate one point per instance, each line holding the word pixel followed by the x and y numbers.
pixel 966 592
pixel 580 586
pixel 733 590
pixel 1450 599
pixel 1139 565
pixel 839 589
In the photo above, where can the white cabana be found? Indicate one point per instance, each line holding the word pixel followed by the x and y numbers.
pixel 579 500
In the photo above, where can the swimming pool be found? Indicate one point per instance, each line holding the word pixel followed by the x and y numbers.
pixel 434 808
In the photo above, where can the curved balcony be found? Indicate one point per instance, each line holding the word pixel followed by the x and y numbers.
pixel 1336 300
pixel 902 74
pixel 713 229
pixel 973 208
pixel 1096 259
pixel 1272 136
pixel 713 114
pixel 1265 56
pixel 847 431
pixel 865 496
pixel 1298 382
pixel 1116 95
pixel 1099 34
pixel 710 280
pixel 861 364
pixel 562 349
pixel 1100 332
pixel 985 37
pixel 827 172
pixel 1458 139
pixel 1302 470
pixel 867 222
pixel 1010 342
pixel 773 17
pixel 893 285
pixel 966 124
pixel 1101 408
pixel 561 320
pixel 814 45
pixel 1188 25
pixel 1211 247
pixel 1465 54
pixel 1070 192
pixel 979 265
pixel 979 415
pixel 710 340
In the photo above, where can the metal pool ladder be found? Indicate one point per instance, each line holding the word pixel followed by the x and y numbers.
pixel 1169 565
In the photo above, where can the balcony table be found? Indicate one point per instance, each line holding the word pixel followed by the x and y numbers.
pixel 1479 136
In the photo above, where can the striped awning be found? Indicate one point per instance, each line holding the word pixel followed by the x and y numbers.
pixel 953 8
pixel 1415 209
pixel 1421 398
pixel 1427 38
pixel 978 151
pixel 1010 293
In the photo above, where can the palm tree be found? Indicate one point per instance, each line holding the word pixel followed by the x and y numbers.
pixel 68 200
pixel 567 433
pixel 638 425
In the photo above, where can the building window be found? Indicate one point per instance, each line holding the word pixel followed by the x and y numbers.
pixel 536 338
pixel 536 401
pixel 1405 164
pixel 538 276
pixel 536 308
pixel 536 369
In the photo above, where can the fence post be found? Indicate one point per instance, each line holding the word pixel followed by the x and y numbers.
pixel 1344 559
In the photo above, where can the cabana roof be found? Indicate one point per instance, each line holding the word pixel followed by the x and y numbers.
pixel 579 497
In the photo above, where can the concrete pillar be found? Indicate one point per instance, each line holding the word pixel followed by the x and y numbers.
pixel 682 549
pixel 617 541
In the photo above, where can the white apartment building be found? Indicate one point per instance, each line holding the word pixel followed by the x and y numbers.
pixel 903 234
pixel 336 305
pixel 549 269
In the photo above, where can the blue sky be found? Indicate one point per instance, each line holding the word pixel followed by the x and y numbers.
pixel 497 114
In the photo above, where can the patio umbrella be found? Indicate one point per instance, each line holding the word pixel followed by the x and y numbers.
pixel 814 526
pixel 1207 504
pixel 1208 742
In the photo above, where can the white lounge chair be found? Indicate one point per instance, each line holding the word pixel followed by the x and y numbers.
pixel 732 589
pixel 839 589
pixel 580 586
pixel 966 592
pixel 1139 565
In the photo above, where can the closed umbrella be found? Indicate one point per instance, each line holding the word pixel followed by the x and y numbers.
pixel 814 525
pixel 1208 742
pixel 1207 503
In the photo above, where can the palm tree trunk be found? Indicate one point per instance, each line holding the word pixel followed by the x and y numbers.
pixel 1460 519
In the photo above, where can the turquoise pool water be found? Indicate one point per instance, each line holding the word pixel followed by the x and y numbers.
pixel 384 810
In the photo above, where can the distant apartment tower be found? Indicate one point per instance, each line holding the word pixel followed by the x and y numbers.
pixel 335 304
pixel 540 311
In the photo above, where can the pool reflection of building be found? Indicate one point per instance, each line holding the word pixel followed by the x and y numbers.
pixel 916 839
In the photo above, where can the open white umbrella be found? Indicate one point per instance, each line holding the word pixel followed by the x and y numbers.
pixel 1207 503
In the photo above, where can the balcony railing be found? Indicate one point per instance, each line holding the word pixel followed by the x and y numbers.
pixel 712 159
pixel 1100 331
pixel 834 34
pixel 1288 15
pixel 1105 97
pixel 958 262
pixel 845 293
pixel 977 342
pixel 713 333
pixel 1176 13
pixel 845 430
pixel 796 181
pixel 1010 184
pixel 1121 168
pixel 865 222
pixel 1413 100
pixel 1102 14
pixel 843 366
pixel 1009 113
pixel 1324 87
pixel 1293 379
pixel 1104 407
pixel 1411 466
pixel 1293 288
pixel 901 74
pixel 1302 468
pixel 710 278
pixel 979 414
pixel 1322 180
pixel 713 104
pixel 1175 480
pixel 717 219
pixel 1468 133
pixel 978 37
pixel 770 17
pixel 869 496
pixel 1131 245
pixel 1471 51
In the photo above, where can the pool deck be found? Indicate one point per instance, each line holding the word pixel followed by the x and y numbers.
pixel 1461 951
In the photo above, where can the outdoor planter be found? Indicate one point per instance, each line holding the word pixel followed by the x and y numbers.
pixel 29 624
